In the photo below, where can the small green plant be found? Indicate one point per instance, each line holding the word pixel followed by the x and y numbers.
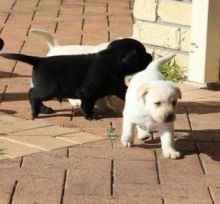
pixel 173 72
pixel 111 135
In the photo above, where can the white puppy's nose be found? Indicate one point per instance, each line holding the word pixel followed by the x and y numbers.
pixel 169 117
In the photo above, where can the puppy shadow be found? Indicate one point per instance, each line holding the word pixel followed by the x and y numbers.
pixel 149 143
pixel 203 107
pixel 112 115
pixel 107 114
pixel 9 112
pixel 203 143
pixel 5 75
pixel 57 113
pixel 15 97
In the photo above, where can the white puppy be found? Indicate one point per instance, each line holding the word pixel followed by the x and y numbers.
pixel 151 104
pixel 55 49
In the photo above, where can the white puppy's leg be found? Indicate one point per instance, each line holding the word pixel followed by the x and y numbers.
pixel 166 136
pixel 127 138
pixel 143 134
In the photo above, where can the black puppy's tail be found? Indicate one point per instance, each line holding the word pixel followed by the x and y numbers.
pixel 1 43
pixel 23 58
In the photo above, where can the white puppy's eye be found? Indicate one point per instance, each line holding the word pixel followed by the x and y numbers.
pixel 158 103
pixel 174 103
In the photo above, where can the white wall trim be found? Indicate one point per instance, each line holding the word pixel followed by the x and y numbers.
pixel 205 42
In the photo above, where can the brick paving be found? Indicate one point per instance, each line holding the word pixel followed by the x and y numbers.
pixel 103 171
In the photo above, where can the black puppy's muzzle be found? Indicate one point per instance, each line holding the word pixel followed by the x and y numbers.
pixel 169 117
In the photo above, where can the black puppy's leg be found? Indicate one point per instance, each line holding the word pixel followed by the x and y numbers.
pixel 35 103
pixel 87 107
pixel 45 110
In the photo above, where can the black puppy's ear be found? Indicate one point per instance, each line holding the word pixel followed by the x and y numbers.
pixel 129 57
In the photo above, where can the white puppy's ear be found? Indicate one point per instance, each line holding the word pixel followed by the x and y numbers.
pixel 178 92
pixel 141 91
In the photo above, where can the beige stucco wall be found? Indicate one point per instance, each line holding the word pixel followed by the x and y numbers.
pixel 164 26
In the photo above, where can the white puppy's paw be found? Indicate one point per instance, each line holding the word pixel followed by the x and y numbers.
pixel 171 154
pixel 76 103
pixel 126 143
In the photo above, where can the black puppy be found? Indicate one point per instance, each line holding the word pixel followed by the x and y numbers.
pixel 86 77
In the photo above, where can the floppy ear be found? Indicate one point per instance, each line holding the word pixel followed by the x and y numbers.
pixel 179 94
pixel 141 91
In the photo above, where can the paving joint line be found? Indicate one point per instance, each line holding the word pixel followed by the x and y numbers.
pixel 3 94
pixel 28 128
pixel 69 140
pixel 130 8
pixel 195 143
pixel 67 152
pixel 13 192
pixel 211 195
pixel 84 7
pixel 33 16
pixel 112 179
pixel 83 21
pixel 57 17
pixel 188 118
pixel 38 3
pixel 13 5
pixel 28 30
pixel 199 158
pixel 8 16
pixel 108 21
pixel 21 162
pixel 63 186
pixel 72 113
pixel 24 144
pixel 157 166
pixel 65 134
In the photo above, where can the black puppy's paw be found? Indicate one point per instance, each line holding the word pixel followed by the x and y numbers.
pixel 46 110
pixel 34 115
pixel 95 116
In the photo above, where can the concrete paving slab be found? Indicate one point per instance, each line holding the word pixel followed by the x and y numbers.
pixel 45 143
pixel 13 149
pixel 21 125
pixel 47 131
pixel 92 178
pixel 80 137
pixel 40 189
